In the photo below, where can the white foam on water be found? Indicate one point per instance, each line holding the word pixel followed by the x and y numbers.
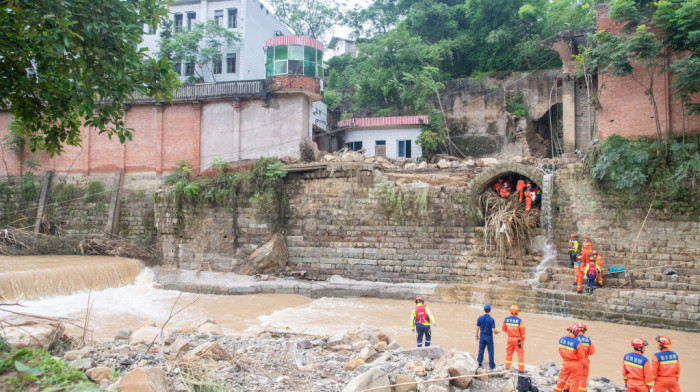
pixel 549 254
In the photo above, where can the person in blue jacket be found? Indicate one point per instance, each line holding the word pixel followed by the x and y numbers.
pixel 485 329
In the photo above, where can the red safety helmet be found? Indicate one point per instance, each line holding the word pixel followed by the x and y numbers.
pixel 419 299
pixel 514 309
pixel 582 327
pixel 588 236
pixel 573 236
pixel 663 341
pixel 595 253
pixel 639 343
pixel 574 329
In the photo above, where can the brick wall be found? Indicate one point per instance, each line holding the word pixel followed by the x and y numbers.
pixel 626 109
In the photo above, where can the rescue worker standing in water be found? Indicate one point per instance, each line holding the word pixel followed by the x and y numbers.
pixel 636 369
pixel 586 249
pixel 514 327
pixel 573 249
pixel 572 352
pixel 665 367
pixel 421 319
pixel 589 349
pixel 578 273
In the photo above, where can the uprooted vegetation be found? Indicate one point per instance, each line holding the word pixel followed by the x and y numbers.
pixel 508 228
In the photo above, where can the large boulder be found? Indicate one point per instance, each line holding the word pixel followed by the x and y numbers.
pixel 146 335
pixel 415 367
pixel 405 379
pixel 22 332
pixel 463 367
pixel 143 380
pixel 432 352
pixel 270 258
pixel 98 374
pixel 372 378
pixel 210 350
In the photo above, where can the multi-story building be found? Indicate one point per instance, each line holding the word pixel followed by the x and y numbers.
pixel 245 59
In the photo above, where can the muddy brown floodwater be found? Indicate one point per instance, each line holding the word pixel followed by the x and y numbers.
pixel 131 306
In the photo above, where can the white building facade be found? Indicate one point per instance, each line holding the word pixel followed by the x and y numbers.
pixel 389 137
pixel 245 59
pixel 339 46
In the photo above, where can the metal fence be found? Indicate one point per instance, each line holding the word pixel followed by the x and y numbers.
pixel 190 92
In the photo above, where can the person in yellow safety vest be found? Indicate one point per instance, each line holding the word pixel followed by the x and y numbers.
pixel 592 272
pixel 599 263
pixel 514 327
pixel 589 349
pixel 586 249
pixel 573 249
pixel 520 188
pixel 421 319
pixel 578 273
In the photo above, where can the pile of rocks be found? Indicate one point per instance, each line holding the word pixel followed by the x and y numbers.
pixel 282 361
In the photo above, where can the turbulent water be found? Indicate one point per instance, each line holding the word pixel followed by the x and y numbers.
pixel 132 305
pixel 549 252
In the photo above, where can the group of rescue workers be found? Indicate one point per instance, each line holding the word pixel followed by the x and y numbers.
pixel 639 374
pixel 526 191
pixel 588 263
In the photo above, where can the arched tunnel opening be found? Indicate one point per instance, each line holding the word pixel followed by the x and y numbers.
pixel 510 209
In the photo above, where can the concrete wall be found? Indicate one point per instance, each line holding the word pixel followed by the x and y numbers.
pixel 626 109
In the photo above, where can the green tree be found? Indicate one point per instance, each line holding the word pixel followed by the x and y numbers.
pixel 378 18
pixel 201 45
pixel 72 63
pixel 310 18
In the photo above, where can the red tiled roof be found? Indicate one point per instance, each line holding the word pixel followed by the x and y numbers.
pixel 294 40
pixel 383 121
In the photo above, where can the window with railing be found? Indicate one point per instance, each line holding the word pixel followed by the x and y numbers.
pixel 294 60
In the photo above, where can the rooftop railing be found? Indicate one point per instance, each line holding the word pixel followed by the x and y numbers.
pixel 204 91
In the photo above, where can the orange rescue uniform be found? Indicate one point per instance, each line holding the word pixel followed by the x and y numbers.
pixel 599 263
pixel 637 373
pixel 504 191
pixel 528 201
pixel 578 273
pixel 520 187
pixel 589 349
pixel 586 249
pixel 514 327
pixel 571 351
pixel 666 369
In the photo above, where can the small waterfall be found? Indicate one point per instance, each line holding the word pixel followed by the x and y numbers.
pixel 549 255
pixel 33 277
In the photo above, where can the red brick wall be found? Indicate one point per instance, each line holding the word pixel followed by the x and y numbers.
pixel 626 109
pixel 99 154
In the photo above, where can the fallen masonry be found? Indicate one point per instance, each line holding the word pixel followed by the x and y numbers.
pixel 355 361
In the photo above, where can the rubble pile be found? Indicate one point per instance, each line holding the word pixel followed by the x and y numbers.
pixel 199 356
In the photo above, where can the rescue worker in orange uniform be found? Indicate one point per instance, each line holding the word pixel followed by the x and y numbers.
pixel 504 190
pixel 636 369
pixel 665 367
pixel 572 352
pixel 520 188
pixel 498 185
pixel 528 198
pixel 599 263
pixel 421 319
pixel 586 249
pixel 589 350
pixel 514 327
pixel 573 249
pixel 578 273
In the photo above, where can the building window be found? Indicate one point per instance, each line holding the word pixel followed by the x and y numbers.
pixel 232 16
pixel 380 143
pixel 231 63
pixel 219 17
pixel 216 66
pixel 189 68
pixel 178 23
pixel 191 17
pixel 404 148
pixel 177 67
pixel 354 146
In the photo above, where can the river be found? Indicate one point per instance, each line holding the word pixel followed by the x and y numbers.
pixel 133 305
